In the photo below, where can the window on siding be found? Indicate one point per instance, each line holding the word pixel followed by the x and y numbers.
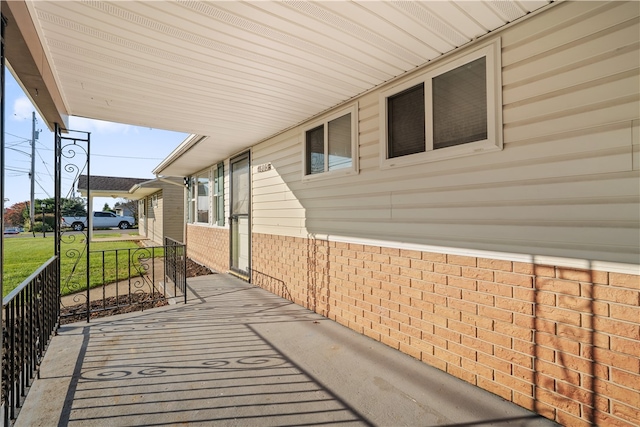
pixel 191 198
pixel 405 122
pixel 315 150
pixel 330 144
pixel 460 105
pixel 202 198
pixel 218 194
pixel 449 111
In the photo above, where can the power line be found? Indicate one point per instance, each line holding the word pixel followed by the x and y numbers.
pixel 19 151
pixel 15 143
pixel 17 136
pixel 15 169
pixel 45 191
pixel 45 165
pixel 127 157
pixel 110 155
pixel 18 172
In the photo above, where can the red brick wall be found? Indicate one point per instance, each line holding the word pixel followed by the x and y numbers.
pixel 562 342
pixel 208 246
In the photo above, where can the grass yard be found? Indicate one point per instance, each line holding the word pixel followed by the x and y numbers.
pixel 23 256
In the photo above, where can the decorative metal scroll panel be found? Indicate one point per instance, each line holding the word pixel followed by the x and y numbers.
pixel 144 277
pixel 73 245
pixel 175 266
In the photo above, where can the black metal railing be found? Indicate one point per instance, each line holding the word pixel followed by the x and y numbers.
pixel 175 265
pixel 30 317
pixel 120 278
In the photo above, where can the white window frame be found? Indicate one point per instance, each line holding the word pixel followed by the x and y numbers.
pixel 324 121
pixel 191 194
pixel 142 207
pixel 492 51
pixel 206 172
pixel 218 195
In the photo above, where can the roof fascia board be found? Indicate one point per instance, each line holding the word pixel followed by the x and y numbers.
pixel 186 145
pixel 143 185
pixel 28 63
pixel 168 181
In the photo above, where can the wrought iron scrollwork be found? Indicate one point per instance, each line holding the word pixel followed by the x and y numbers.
pixel 73 157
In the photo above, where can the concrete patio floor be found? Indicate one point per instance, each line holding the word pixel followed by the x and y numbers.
pixel 236 355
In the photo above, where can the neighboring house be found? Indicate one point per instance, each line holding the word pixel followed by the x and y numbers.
pixel 157 218
pixel 479 213
pixel 160 209
pixel 122 210
pixel 105 186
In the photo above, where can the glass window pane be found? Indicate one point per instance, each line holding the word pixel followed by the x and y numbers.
pixel 406 122
pixel 340 143
pixel 315 150
pixel 219 191
pixel 460 105
pixel 240 181
pixel 203 198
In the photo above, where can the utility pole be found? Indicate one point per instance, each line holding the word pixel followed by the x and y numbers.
pixel 32 205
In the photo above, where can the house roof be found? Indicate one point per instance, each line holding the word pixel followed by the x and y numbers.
pixel 151 186
pixel 108 186
pixel 235 72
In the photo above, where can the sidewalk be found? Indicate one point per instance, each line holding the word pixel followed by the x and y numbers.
pixel 236 355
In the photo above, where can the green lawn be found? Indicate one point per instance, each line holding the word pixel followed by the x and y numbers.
pixel 23 256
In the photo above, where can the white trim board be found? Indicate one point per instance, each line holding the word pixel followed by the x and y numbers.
pixel 583 264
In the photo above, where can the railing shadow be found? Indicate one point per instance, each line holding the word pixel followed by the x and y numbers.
pixel 271 284
pixel 564 377
pixel 204 364
pixel 239 356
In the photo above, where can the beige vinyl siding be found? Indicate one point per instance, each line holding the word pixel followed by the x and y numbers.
pixel 154 218
pixel 566 184
pixel 636 145
pixel 159 222
pixel 173 211
pixel 276 209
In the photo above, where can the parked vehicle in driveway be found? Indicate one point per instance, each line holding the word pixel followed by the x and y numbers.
pixel 100 220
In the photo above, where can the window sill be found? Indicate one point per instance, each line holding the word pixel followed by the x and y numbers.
pixel 464 150
pixel 329 175
pixel 204 224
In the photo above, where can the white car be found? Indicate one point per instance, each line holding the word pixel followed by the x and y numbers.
pixel 100 220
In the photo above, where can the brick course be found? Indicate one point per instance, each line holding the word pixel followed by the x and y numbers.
pixel 208 246
pixel 559 341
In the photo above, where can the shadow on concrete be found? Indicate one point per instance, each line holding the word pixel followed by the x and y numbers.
pixel 196 364
pixel 236 355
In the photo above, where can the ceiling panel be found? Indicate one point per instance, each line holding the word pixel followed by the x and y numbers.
pixel 241 71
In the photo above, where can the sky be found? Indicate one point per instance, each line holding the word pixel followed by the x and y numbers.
pixel 116 149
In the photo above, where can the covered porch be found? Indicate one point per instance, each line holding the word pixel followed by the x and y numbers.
pixel 238 74
pixel 236 354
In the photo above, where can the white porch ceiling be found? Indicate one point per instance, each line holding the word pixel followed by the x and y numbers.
pixel 241 71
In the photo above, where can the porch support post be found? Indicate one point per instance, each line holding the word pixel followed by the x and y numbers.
pixel 89 211
pixel 89 223
pixel 4 22
pixel 57 147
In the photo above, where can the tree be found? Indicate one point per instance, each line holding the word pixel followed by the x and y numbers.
pixel 73 207
pixel 14 215
pixel 129 207
pixel 106 207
